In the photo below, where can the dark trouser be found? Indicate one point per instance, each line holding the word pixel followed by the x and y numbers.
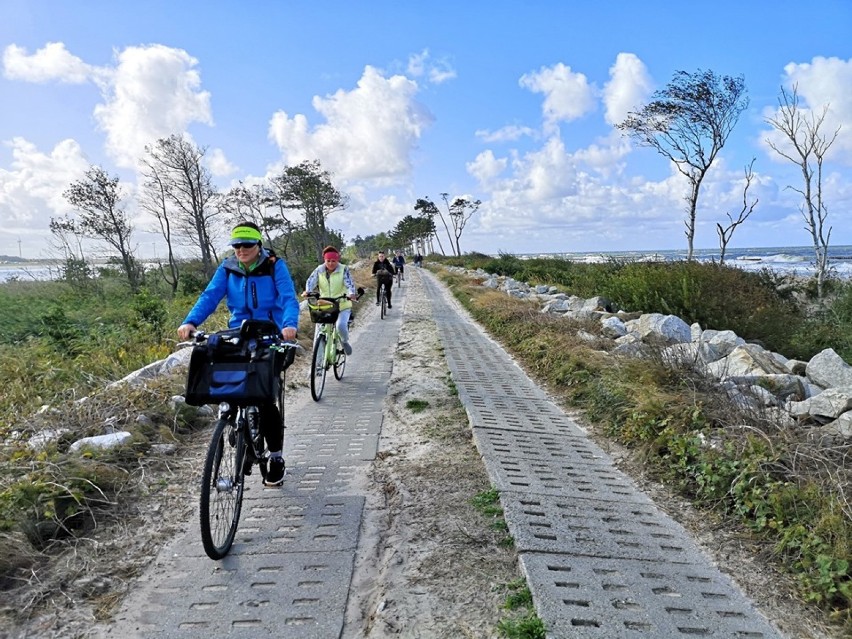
pixel 270 424
pixel 387 280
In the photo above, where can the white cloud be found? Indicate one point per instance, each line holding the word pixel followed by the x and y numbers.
pixel 218 163
pixel 508 133
pixel 629 87
pixel 421 65
pixel 369 132
pixel 568 95
pixel 53 62
pixel 31 190
pixel 485 168
pixel 154 93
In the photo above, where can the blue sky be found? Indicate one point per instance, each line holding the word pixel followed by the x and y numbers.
pixel 511 103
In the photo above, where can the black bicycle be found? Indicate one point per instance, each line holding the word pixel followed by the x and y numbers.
pixel 382 283
pixel 241 369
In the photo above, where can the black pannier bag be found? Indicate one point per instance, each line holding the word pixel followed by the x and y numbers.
pixel 225 372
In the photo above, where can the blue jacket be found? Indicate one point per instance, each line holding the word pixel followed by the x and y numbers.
pixel 266 292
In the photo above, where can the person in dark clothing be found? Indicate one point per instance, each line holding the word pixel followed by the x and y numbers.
pixel 255 286
pixel 384 272
pixel 399 264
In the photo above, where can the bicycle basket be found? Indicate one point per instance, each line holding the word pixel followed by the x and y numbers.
pixel 324 311
pixel 228 374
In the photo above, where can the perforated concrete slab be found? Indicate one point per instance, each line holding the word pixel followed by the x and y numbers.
pixel 623 598
pixel 482 416
pixel 287 523
pixel 330 447
pixel 542 447
pixel 601 560
pixel 288 596
pixel 596 529
pixel 577 479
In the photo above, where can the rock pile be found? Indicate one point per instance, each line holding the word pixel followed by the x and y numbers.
pixel 816 394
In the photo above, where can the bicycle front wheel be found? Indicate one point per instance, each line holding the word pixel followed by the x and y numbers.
pixel 339 361
pixel 384 303
pixel 318 368
pixel 222 487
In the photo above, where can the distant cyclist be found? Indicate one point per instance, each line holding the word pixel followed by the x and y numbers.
pixel 333 279
pixel 384 272
pixel 418 260
pixel 399 264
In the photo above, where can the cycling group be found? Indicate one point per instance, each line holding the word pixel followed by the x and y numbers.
pixel 259 345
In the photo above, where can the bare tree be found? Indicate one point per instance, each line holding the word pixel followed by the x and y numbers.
pixel 97 200
pixel 726 233
pixel 805 146
pixel 308 188
pixel 153 199
pixel 188 193
pixel 69 242
pixel 689 122
pixel 461 210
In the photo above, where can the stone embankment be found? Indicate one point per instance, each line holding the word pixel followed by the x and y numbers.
pixel 816 394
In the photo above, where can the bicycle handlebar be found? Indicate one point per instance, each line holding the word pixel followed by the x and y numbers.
pixel 314 295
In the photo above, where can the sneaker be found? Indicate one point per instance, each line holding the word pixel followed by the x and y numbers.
pixel 275 473
pixel 377 303
pixel 389 306
pixel 347 348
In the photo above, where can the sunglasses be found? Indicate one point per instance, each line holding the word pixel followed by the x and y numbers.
pixel 244 245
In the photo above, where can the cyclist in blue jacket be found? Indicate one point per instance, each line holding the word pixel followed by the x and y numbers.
pixel 255 286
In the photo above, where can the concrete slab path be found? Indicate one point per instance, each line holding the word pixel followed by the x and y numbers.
pixel 600 558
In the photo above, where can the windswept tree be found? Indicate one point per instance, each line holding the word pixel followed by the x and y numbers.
pixel 428 211
pixel 259 203
pixel 459 211
pixel 153 198
pixel 805 145
pixel 413 231
pixel 309 189
pixel 725 233
pixel 97 200
pixel 689 122
pixel 175 164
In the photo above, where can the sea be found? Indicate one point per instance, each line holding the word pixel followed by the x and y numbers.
pixel 786 260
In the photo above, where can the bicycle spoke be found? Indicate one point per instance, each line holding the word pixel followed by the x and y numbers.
pixel 221 490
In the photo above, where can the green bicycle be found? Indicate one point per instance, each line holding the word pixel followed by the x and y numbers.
pixel 328 350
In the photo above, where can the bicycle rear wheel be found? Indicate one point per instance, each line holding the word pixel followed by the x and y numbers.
pixel 318 368
pixel 222 487
pixel 339 361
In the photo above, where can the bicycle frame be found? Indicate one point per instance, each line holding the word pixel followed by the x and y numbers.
pixel 236 445
pixel 328 353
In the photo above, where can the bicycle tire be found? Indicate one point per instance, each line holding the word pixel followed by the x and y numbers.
pixel 339 361
pixel 398 278
pixel 222 486
pixel 384 301
pixel 318 368
pixel 281 384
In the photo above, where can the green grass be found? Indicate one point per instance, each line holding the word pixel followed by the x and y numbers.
pixel 417 405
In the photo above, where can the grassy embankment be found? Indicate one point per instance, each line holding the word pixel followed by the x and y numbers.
pixel 778 484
